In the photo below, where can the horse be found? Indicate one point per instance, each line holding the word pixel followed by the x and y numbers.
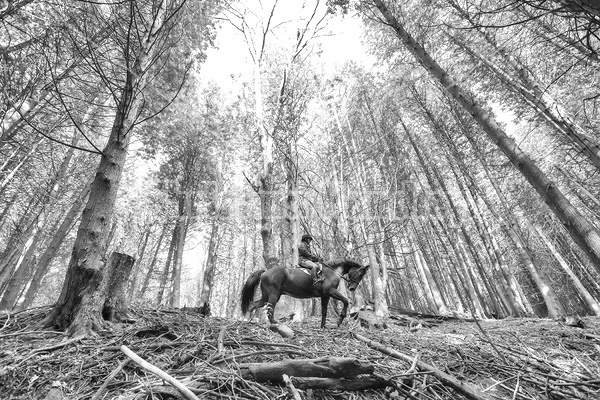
pixel 297 283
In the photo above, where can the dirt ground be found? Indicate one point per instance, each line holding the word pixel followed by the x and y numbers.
pixel 492 359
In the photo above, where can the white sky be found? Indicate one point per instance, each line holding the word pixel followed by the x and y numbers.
pixel 230 56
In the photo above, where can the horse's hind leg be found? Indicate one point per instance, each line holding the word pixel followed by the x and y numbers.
pixel 271 302
pixel 253 307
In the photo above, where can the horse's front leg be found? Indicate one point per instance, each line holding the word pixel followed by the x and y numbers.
pixel 338 296
pixel 324 304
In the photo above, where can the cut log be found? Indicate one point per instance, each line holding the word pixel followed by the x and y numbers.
pixel 368 319
pixel 283 330
pixel 360 383
pixel 326 367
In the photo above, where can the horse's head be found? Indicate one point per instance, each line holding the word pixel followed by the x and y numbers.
pixel 355 275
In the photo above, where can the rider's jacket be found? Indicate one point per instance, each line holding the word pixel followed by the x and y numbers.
pixel 305 253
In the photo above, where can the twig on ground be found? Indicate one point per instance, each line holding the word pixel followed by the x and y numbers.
pixel 157 371
pixel 108 380
pixel 290 386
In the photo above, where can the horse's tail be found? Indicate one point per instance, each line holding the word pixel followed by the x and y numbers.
pixel 249 288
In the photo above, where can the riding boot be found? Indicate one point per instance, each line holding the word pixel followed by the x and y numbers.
pixel 314 273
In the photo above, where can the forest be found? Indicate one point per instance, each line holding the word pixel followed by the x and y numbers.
pixel 449 145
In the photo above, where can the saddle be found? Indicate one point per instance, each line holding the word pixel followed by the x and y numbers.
pixel 318 278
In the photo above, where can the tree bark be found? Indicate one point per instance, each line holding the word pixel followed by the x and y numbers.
pixel 326 367
pixel 164 279
pixel 211 259
pixel 357 384
pixel 152 266
pixel 185 210
pixel 136 272
pixel 118 269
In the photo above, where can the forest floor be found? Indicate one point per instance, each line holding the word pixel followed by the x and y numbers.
pixel 495 359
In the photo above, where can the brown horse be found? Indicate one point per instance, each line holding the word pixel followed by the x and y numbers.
pixel 297 283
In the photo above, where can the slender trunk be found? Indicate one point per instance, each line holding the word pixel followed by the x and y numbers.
pixel 471 247
pixel 449 277
pixel 25 263
pixel 14 254
pixel 540 100
pixel 494 255
pixel 211 260
pixel 185 210
pixel 43 262
pixel 579 186
pixel 511 227
pixel 439 209
pixel 582 231
pixel 342 209
pixel 581 289
pixel 136 270
pixel 265 185
pixel 152 266
pixel 9 177
pixel 419 265
pixel 164 279
pixel 460 269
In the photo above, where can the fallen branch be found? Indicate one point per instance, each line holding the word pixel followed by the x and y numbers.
pixel 464 388
pixel 291 388
pixel 326 367
pixel 255 353
pixel 108 380
pixel 360 383
pixel 187 393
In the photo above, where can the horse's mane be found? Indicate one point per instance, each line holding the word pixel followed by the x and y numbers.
pixel 344 260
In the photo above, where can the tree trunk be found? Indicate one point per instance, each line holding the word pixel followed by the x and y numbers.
pixel 136 272
pixel 511 227
pixel 581 289
pixel 43 262
pixel 152 266
pixel 211 260
pixel 434 299
pixel 12 256
pixel 582 232
pixel 24 265
pixel 164 279
pixel 118 269
pixel 540 100
pixel 265 179
pixel 185 210
pixel 15 168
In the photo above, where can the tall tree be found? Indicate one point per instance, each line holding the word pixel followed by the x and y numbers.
pixel 147 33
pixel 582 232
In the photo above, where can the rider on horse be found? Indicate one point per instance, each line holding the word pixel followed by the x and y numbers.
pixel 307 259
